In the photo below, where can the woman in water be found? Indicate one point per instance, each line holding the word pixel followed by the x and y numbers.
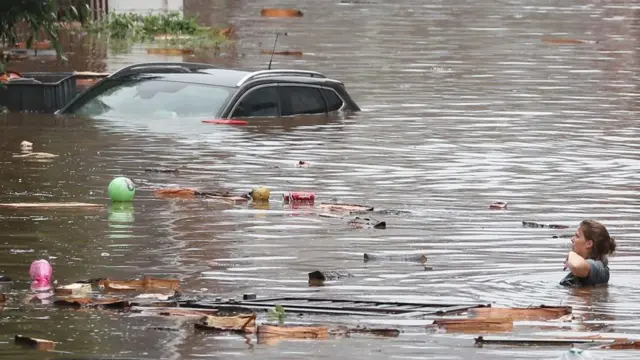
pixel 588 260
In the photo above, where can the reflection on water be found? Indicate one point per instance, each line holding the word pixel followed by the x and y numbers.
pixel 463 105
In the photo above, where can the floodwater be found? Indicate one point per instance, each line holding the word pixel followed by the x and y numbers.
pixel 463 104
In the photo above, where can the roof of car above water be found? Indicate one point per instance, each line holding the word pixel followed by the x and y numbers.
pixel 210 75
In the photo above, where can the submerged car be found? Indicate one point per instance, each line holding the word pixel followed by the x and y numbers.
pixel 193 90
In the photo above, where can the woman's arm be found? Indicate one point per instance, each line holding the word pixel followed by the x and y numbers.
pixel 578 266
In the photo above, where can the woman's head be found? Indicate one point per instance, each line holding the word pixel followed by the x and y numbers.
pixel 592 241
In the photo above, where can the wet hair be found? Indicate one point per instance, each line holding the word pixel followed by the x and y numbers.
pixel 603 244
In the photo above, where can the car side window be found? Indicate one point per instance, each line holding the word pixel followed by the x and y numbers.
pixel 258 102
pixel 334 102
pixel 301 100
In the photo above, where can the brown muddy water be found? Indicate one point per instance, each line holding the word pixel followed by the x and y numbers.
pixel 463 104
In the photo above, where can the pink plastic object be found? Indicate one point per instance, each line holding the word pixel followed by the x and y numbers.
pixel 41 272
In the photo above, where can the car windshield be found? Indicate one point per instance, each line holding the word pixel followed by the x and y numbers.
pixel 151 97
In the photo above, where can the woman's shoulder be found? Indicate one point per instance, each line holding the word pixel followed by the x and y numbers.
pixel 598 274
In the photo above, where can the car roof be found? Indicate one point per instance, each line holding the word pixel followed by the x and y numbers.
pixel 193 73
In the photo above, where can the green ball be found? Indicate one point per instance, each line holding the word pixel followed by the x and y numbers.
pixel 121 189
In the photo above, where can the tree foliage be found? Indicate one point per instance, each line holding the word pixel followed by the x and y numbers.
pixel 28 20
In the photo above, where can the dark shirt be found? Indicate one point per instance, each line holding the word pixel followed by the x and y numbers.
pixel 598 274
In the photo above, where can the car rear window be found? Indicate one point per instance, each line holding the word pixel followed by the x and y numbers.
pixel 148 97
pixel 334 102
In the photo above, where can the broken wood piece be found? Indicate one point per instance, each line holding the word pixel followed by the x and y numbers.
pixel 378 332
pixel 274 12
pixel 147 283
pixel 169 51
pixel 335 207
pixel 36 155
pixel 282 52
pixel 244 323
pixel 317 278
pixel 562 41
pixel 110 303
pixel 421 258
pixel 522 314
pixel 34 343
pixel 475 325
pixel 73 289
pixel 481 340
pixel 162 170
pixel 538 225
pixel 622 344
pixel 174 311
pixel 293 331
pixel 369 223
pixel 498 205
pixel 52 205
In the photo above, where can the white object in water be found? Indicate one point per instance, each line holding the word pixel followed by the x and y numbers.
pixel 578 354
pixel 25 145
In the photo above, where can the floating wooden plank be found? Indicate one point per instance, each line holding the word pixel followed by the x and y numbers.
pixel 294 331
pixel 344 207
pixel 523 314
pixel 421 258
pixel 243 323
pixel 622 344
pixel 34 343
pixel 170 51
pixel 387 332
pixel 51 205
pixel 147 283
pixel 36 155
pixel 295 53
pixel 482 340
pixel 473 325
pixel 501 205
pixel 110 303
pixel 73 289
pixel 274 12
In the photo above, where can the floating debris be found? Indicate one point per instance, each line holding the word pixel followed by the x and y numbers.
pixel 498 205
pixel 36 155
pixel 293 331
pixel 523 314
pixel 3 298
pixel 317 278
pixel 186 193
pixel 243 323
pixel 369 223
pixel 73 289
pixel 421 258
pixel 170 51
pixel 298 197
pixel 475 325
pixel 34 343
pixel 481 340
pixel 52 205
pixel 565 41
pixel 622 344
pixel 145 284
pixel 75 302
pixel 303 164
pixel 273 12
pixel 532 224
pixel 282 52
pixel 26 146
pixel 336 207
pixel 260 194
pixel 162 170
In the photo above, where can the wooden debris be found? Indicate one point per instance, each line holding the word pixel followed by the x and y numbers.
pixel 293 331
pixel 227 32
pixel 145 284
pixel 110 303
pixel 537 225
pixel 162 170
pixel 36 155
pixel 170 51
pixel 73 289
pixel 273 12
pixel 622 344
pixel 562 41
pixel 282 52
pixel 475 325
pixel 317 278
pixel 498 205
pixel 481 340
pixel 421 258
pixel 344 207
pixel 174 311
pixel 244 323
pixel 34 343
pixel 523 314
pixel 377 332
pixel 369 223
pixel 52 205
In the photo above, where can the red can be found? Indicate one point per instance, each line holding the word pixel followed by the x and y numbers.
pixel 290 197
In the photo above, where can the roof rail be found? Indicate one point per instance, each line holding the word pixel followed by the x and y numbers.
pixel 274 72
pixel 141 67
